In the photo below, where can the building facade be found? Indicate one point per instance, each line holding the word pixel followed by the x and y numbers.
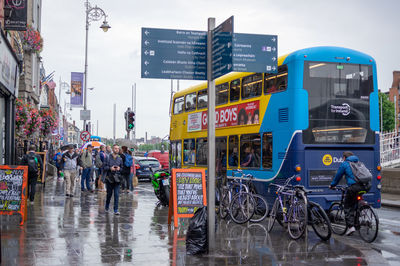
pixel 394 94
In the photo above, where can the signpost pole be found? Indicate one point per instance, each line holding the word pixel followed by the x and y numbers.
pixel 211 140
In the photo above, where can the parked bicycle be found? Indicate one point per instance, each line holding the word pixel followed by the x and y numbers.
pixel 236 201
pixel 366 220
pixel 294 211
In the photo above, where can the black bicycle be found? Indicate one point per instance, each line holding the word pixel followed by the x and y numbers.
pixel 366 220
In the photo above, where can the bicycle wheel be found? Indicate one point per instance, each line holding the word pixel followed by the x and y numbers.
pixel 242 207
pixel 224 204
pixel 217 200
pixel 369 223
pixel 319 221
pixel 272 215
pixel 297 221
pixel 338 218
pixel 261 209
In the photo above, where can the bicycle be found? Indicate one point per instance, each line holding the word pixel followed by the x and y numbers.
pixel 314 214
pixel 261 209
pixel 296 215
pixel 237 202
pixel 366 220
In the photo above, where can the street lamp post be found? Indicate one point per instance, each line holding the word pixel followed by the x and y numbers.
pixel 92 14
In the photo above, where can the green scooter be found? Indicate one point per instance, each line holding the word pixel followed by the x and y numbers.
pixel 160 182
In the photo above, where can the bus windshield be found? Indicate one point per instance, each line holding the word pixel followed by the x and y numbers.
pixel 338 103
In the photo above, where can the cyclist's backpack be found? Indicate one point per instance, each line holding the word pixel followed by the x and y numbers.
pixel 32 164
pixel 97 161
pixel 128 160
pixel 361 173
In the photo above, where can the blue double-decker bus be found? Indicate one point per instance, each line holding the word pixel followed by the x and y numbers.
pixel 323 101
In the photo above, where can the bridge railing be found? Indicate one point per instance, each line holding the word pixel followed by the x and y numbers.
pixel 390 148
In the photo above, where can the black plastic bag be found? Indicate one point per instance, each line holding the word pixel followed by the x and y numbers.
pixel 196 236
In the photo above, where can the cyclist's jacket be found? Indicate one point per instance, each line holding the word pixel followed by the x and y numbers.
pixel 345 169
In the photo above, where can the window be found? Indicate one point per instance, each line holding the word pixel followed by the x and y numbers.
pixel 220 156
pixel 221 96
pixel 202 99
pixel 172 154
pixel 252 86
pixel 250 151
pixel 233 151
pixel 188 152
pixel 338 102
pixel 267 151
pixel 201 151
pixel 276 83
pixel 190 102
pixel 178 105
pixel 179 154
pixel 235 90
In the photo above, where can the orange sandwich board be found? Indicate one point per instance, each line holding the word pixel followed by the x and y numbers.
pixel 13 190
pixel 188 193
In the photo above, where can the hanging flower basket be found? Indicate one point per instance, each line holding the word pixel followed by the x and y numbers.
pixel 27 120
pixel 32 41
pixel 48 122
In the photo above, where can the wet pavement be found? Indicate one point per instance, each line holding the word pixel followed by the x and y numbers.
pixel 77 231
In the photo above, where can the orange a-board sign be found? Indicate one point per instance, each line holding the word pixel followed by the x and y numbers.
pixel 188 193
pixel 13 190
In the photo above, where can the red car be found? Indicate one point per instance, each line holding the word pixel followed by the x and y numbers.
pixel 161 156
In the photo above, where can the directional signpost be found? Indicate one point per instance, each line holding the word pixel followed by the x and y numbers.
pixel 222 37
pixel 255 53
pixel 174 54
pixel 207 55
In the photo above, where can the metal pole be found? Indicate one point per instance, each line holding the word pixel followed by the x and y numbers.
pixel 97 128
pixel 395 114
pixel 86 62
pixel 134 110
pixel 115 107
pixel 211 140
pixel 59 107
pixel 381 114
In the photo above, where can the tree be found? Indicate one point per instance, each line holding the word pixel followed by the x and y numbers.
pixel 387 112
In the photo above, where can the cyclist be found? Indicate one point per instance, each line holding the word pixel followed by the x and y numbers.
pixel 354 187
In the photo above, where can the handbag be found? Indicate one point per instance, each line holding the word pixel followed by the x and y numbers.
pixel 135 181
pixel 115 177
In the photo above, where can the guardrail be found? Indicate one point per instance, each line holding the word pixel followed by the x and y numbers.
pixel 390 149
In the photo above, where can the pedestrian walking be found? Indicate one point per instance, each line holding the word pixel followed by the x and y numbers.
pixel 70 159
pixel 99 161
pixel 86 161
pixel 126 169
pixel 34 163
pixel 58 162
pixel 108 150
pixel 113 165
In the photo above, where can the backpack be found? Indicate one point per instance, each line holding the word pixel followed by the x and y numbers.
pixel 128 160
pixel 361 173
pixel 97 161
pixel 32 164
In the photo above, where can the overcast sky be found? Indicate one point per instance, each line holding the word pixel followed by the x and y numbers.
pixel 369 26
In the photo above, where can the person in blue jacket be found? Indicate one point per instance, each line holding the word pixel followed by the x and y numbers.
pixel 354 187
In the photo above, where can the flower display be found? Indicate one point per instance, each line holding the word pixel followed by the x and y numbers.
pixel 32 40
pixel 21 116
pixel 48 122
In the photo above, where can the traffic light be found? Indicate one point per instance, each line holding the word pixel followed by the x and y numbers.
pixel 131 120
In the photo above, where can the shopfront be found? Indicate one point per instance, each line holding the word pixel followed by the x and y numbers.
pixel 9 77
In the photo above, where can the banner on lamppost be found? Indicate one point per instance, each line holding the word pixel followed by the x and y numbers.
pixel 15 14
pixel 77 89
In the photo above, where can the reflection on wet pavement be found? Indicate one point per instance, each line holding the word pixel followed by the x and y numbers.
pixel 77 231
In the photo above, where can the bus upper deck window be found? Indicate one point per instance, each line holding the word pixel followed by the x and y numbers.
pixel 252 86
pixel 235 90
pixel 221 92
pixel 202 99
pixel 178 105
pixel 190 102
